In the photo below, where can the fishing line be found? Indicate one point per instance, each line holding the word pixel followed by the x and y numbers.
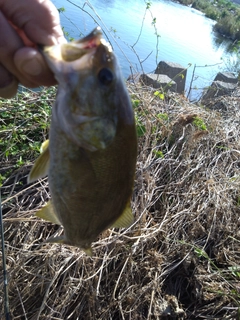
pixel 6 297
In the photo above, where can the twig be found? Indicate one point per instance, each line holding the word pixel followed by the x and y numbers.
pixel 190 86
pixel 103 24
pixel 115 288
pixel 140 33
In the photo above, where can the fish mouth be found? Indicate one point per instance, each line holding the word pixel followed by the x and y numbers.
pixel 75 50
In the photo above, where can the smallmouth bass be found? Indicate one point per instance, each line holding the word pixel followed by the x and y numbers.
pixel 90 157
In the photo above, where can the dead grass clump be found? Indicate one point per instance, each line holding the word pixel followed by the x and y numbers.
pixel 180 259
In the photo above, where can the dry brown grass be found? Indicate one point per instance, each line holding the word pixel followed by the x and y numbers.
pixel 180 259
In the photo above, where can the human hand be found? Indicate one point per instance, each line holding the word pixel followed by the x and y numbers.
pixel 23 25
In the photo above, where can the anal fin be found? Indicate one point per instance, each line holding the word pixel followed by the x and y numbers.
pixel 47 213
pixel 126 218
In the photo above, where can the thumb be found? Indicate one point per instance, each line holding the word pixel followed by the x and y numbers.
pixel 33 68
pixel 39 19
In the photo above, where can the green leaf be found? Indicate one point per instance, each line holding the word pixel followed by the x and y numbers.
pixel 62 9
pixel 158 153
pixel 159 94
pixel 199 123
pixel 163 116
pixel 135 103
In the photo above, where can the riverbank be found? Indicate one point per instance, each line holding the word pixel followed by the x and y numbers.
pixel 225 13
pixel 180 260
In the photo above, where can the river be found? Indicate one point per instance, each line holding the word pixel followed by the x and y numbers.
pixel 141 38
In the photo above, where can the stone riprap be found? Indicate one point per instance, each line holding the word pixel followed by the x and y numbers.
pixel 224 84
pixel 228 77
pixel 175 71
pixel 158 81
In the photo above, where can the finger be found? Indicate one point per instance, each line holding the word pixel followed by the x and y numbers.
pixel 25 63
pixel 9 43
pixel 33 68
pixel 24 38
pixel 8 84
pixel 38 18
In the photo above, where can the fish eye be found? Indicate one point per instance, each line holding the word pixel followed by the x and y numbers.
pixel 105 76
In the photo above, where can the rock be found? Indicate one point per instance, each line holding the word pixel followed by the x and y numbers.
pixel 158 81
pixel 175 71
pixel 228 77
pixel 219 88
pixel 134 78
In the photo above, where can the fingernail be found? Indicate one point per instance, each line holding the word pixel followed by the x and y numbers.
pixel 32 67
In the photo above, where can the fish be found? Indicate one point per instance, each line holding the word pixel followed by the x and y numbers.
pixel 90 157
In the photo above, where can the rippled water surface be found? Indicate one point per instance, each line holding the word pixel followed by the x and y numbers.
pixel 185 35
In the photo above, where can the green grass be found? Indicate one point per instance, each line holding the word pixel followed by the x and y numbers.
pixel 24 124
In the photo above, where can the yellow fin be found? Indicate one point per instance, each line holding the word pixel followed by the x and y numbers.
pixel 126 218
pixel 44 146
pixel 88 251
pixel 47 213
pixel 40 167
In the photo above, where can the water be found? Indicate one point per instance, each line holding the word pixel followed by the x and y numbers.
pixel 185 35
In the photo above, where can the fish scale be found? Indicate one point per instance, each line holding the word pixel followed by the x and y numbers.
pixel 90 159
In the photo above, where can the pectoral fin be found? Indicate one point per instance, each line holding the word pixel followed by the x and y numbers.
pixel 44 146
pixel 47 213
pixel 126 218
pixel 41 166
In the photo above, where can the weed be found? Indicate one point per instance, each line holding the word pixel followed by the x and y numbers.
pixel 158 153
pixel 24 125
pixel 163 116
pixel 199 123
pixel 141 128
pixel 159 94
